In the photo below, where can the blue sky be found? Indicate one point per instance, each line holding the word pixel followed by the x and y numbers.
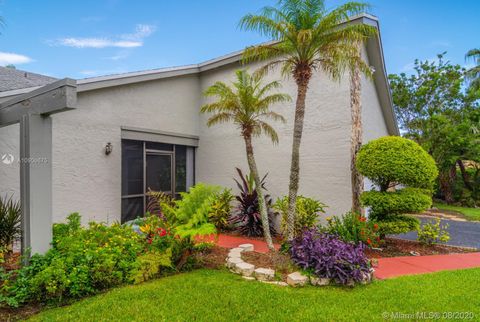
pixel 96 37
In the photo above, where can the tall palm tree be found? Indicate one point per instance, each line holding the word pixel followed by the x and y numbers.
pixel 305 37
pixel 473 74
pixel 247 105
pixel 357 66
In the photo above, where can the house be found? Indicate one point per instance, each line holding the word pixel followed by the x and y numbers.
pixel 140 130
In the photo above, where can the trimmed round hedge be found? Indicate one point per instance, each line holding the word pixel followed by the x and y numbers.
pixel 396 159
pixel 407 200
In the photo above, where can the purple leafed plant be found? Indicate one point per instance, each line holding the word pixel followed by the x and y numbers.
pixel 327 256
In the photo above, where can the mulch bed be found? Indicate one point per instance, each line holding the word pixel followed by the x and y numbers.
pixel 17 314
pixel 393 247
pixel 12 261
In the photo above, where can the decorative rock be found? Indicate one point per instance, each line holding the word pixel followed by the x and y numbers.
pixel 249 278
pixel 318 281
pixel 231 262
pixel 264 274
pixel 235 255
pixel 245 269
pixel 367 277
pixel 296 279
pixel 235 251
pixel 246 247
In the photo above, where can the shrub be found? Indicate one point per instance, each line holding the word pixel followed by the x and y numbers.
pixel 189 215
pixel 393 159
pixel 354 228
pixel 247 220
pixel 84 261
pixel 10 218
pixel 307 212
pixel 411 200
pixel 431 233
pixel 154 201
pixel 398 224
pixel 327 256
pixel 220 213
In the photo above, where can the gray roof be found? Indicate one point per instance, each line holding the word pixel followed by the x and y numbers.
pixel 11 78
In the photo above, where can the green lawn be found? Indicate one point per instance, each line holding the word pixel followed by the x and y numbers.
pixel 208 295
pixel 468 213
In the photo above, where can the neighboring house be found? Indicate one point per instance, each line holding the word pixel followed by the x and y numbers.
pixel 160 140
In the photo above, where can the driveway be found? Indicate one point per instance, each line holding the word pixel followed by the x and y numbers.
pixel 462 233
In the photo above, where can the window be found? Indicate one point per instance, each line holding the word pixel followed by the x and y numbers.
pixel 156 166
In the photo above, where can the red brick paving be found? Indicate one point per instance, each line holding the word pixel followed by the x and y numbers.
pixel 387 267
pixel 228 241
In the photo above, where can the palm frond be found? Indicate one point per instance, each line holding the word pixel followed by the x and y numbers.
pixel 267 101
pixel 220 118
pixel 268 130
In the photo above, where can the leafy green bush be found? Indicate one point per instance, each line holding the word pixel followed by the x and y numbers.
pixel 189 215
pixel 431 233
pixel 307 212
pixel 84 261
pixel 407 200
pixel 397 224
pixel 10 218
pixel 393 159
pixel 221 208
pixel 390 162
pixel 354 228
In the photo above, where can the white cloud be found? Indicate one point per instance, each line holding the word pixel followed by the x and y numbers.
pixel 141 31
pixel 15 59
pixel 132 40
pixel 96 43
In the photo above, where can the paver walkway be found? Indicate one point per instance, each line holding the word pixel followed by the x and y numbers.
pixel 387 267
pixel 411 265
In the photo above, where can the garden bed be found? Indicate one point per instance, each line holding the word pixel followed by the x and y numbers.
pixel 393 247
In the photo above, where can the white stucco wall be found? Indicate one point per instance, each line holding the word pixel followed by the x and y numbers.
pixel 88 181
pixel 10 173
pixel 324 151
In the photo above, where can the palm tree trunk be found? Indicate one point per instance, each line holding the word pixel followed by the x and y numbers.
pixel 302 77
pixel 356 136
pixel 261 199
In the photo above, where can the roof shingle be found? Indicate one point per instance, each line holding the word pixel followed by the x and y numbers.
pixel 11 79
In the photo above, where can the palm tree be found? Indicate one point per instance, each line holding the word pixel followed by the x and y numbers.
pixel 473 74
pixel 247 105
pixel 305 37
pixel 357 66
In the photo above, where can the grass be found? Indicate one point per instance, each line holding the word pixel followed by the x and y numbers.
pixel 469 213
pixel 208 295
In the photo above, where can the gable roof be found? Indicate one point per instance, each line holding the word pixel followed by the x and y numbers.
pixel 14 79
pixel 374 50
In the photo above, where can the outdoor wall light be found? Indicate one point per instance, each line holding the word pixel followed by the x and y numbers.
pixel 108 148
